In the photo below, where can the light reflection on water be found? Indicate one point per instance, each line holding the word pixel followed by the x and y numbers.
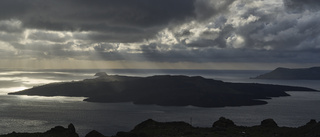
pixel 12 81
pixel 4 91
pixel 50 99
pixel 4 123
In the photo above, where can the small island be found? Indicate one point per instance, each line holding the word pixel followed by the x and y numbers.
pixel 292 74
pixel 164 90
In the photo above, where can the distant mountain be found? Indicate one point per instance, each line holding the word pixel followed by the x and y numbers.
pixel 294 74
pixel 164 90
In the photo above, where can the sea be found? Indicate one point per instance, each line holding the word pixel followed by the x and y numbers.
pixel 21 113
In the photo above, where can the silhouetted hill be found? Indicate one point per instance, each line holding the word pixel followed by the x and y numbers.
pixel 294 74
pixel 221 128
pixel 164 90
pixel 57 131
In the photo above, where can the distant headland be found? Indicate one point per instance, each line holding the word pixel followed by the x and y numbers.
pixel 312 73
pixel 164 90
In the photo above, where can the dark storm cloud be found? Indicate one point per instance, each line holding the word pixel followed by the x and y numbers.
pixel 10 26
pixel 43 50
pixel 282 32
pixel 298 5
pixel 220 41
pixel 150 53
pixel 163 30
pixel 279 36
pixel 277 30
pixel 113 36
pixel 207 8
pixel 10 37
pixel 45 36
pixel 37 47
pixel 114 16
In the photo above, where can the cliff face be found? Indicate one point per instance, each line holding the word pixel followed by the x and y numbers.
pixel 165 90
pixel 294 74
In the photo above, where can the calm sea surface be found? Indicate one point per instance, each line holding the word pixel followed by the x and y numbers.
pixel 38 114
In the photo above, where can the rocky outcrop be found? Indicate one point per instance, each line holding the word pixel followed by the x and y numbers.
pixel 223 123
pixel 63 132
pixel 269 123
pixel 94 133
pixel 101 74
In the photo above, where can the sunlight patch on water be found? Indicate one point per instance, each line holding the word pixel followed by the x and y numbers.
pixel 5 91
pixel 6 73
pixel 49 99
pixel 21 125
pixel 27 80
pixel 31 81
pixel 24 122
pixel 17 72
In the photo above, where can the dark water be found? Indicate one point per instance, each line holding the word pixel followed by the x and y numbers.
pixel 38 114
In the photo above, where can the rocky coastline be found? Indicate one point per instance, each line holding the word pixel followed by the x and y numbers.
pixel 221 128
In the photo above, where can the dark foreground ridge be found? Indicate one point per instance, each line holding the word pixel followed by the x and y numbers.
pixel 292 74
pixel 221 128
pixel 164 90
pixel 57 131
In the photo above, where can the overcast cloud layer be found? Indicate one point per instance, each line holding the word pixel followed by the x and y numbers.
pixel 270 31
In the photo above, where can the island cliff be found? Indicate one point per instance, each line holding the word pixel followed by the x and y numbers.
pixel 292 74
pixel 164 90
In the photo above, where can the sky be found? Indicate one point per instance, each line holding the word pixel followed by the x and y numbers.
pixel 159 34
